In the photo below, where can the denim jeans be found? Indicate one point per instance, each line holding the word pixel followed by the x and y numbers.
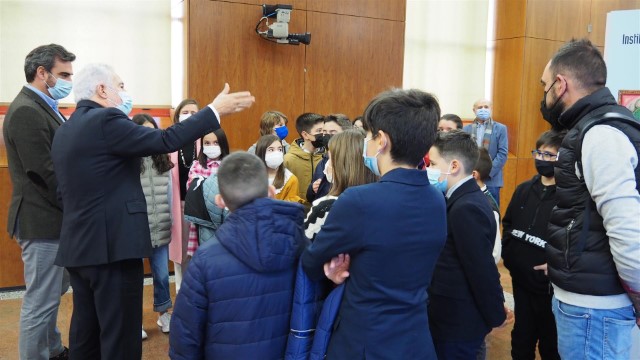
pixel 160 271
pixel 593 333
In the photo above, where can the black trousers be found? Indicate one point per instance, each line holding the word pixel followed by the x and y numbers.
pixel 107 311
pixel 534 324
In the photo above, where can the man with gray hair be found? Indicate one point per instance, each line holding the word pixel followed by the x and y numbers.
pixel 105 231
pixel 35 215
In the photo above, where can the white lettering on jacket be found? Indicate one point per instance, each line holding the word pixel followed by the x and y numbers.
pixel 530 239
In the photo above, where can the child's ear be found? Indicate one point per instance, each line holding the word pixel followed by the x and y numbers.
pixel 456 167
pixel 272 191
pixel 220 201
pixel 475 174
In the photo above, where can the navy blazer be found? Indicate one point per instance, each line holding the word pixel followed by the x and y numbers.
pixel 96 159
pixel 394 231
pixel 465 296
pixel 498 151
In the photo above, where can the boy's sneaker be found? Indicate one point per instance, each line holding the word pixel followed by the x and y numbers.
pixel 164 321
pixel 144 334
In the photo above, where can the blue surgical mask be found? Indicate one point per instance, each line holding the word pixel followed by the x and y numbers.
pixel 127 102
pixel 434 175
pixel 60 90
pixel 483 114
pixel 282 132
pixel 371 162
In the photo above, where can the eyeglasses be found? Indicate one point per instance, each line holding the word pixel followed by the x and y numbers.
pixel 547 156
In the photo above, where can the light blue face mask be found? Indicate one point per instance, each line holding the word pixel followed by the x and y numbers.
pixel 434 175
pixel 127 102
pixel 60 90
pixel 483 114
pixel 371 162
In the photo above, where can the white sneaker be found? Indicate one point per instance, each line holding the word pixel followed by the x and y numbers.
pixel 144 334
pixel 164 321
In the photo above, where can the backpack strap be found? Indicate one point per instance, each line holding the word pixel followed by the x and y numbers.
pixel 597 119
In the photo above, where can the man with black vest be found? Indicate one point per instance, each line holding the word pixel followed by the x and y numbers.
pixel 593 248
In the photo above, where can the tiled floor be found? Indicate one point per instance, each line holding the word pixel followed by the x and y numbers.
pixel 157 345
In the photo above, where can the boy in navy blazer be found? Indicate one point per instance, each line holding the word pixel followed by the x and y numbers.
pixel 465 296
pixel 393 242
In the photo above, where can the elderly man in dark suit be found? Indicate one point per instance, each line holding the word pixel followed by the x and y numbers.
pixel 105 231
pixel 35 216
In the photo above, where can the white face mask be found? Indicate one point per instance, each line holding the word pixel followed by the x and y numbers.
pixel 183 117
pixel 274 159
pixel 212 151
pixel 328 171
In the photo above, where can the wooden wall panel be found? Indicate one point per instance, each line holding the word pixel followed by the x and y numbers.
pixel 512 15
pixel 11 268
pixel 537 54
pixel 507 85
pixel 558 20
pixel 224 47
pixel 379 9
pixel 3 149
pixel 348 63
pixel 297 4
pixel 509 175
pixel 599 10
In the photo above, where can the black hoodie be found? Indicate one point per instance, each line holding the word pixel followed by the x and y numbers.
pixel 524 233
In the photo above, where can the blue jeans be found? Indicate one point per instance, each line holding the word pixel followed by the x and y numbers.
pixel 593 333
pixel 160 271
pixel 495 192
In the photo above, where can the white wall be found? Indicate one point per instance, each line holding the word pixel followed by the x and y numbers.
pixel 446 51
pixel 133 36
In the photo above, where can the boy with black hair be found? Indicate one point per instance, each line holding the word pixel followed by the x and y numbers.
pixel 306 152
pixel 320 185
pixel 235 300
pixel 466 299
pixel 523 250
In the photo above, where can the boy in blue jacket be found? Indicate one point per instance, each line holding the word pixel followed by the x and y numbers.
pixel 235 299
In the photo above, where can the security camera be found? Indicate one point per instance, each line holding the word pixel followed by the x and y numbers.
pixel 278 31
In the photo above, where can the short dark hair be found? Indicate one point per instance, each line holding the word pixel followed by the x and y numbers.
pixel 307 121
pixel 552 138
pixel 45 55
pixel 453 117
pixel 582 61
pixel 410 119
pixel 341 119
pixel 222 142
pixel 242 178
pixel 183 103
pixel 457 144
pixel 484 164
pixel 161 162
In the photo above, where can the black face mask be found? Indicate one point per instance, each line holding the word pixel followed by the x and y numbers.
pixel 322 140
pixel 545 168
pixel 552 115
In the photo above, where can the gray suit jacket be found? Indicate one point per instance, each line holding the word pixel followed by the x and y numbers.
pixel 28 130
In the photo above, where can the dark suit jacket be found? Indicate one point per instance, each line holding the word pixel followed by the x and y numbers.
pixel 394 231
pixel 28 132
pixel 465 296
pixel 96 157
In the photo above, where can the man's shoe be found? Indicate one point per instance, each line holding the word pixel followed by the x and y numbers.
pixel 164 321
pixel 144 334
pixel 64 355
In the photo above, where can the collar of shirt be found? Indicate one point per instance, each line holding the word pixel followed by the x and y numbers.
pixel 50 101
pixel 456 186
